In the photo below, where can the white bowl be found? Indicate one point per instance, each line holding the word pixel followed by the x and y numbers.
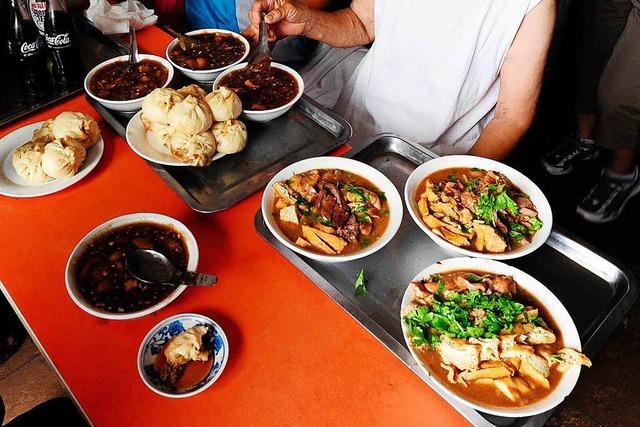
pixel 130 105
pixel 157 338
pixel 76 296
pixel 518 179
pixel 537 290
pixel 266 115
pixel 207 76
pixel 374 176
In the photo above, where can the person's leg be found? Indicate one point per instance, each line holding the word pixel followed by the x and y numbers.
pixel 618 127
pixel 598 27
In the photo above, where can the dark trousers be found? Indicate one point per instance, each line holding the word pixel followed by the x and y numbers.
pixel 608 69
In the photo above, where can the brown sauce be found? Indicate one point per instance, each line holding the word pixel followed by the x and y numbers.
pixel 213 50
pixel 194 372
pixel 101 274
pixel 263 90
pixel 121 81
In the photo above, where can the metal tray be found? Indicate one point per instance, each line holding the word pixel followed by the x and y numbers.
pixel 595 291
pixel 307 130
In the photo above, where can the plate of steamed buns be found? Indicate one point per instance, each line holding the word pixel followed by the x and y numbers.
pixel 46 157
pixel 187 126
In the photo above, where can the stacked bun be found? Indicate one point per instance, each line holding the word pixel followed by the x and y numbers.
pixel 57 149
pixel 191 125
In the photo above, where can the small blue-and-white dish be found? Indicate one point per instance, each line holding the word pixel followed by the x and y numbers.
pixel 155 340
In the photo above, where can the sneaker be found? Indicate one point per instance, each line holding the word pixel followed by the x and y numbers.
pixel 571 150
pixel 606 201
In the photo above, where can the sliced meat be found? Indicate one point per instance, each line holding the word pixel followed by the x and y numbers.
pixel 524 202
pixel 459 353
pixel 503 285
pixel 304 183
pixel 469 200
pixel 350 230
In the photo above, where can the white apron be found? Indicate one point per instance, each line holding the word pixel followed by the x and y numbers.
pixel 431 75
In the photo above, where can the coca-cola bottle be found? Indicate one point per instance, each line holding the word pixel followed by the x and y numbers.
pixel 58 32
pixel 26 46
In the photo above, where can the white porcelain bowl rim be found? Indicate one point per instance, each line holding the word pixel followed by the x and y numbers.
pixel 542 294
pixel 244 41
pixel 286 106
pixel 518 179
pixel 192 264
pixel 373 175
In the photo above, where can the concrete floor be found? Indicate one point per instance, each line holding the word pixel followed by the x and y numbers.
pixel 26 380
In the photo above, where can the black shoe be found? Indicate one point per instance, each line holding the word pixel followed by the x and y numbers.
pixel 571 150
pixel 606 201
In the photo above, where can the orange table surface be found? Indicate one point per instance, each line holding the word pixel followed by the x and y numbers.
pixel 296 357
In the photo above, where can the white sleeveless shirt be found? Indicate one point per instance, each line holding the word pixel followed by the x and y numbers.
pixel 432 73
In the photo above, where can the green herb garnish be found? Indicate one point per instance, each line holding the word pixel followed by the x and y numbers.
pixel 382 196
pixel 517 231
pixel 452 178
pixel 360 285
pixel 536 224
pixel 474 278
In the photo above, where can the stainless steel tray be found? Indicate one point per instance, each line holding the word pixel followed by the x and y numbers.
pixel 595 291
pixel 307 130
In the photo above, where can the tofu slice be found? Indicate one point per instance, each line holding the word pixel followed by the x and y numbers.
pixel 495 372
pixel 303 243
pixel 338 244
pixel 458 353
pixel 289 214
pixel 311 235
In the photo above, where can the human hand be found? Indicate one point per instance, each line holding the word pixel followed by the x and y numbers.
pixel 285 18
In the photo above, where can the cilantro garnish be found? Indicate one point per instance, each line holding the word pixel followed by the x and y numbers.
pixel 360 285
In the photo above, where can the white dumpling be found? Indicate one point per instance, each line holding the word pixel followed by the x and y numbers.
pixel 156 105
pixel 194 150
pixel 191 116
pixel 44 133
pixel 62 160
pixel 159 137
pixel 78 126
pixel 27 162
pixel 193 90
pixel 231 136
pixel 224 104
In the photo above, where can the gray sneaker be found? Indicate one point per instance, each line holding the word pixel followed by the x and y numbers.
pixel 607 199
pixel 571 150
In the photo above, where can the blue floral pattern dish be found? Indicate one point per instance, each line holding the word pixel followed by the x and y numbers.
pixel 165 330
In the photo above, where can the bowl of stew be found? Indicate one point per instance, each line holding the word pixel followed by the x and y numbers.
pixel 121 86
pixel 215 51
pixel 96 276
pixel 491 336
pixel 265 95
pixel 478 207
pixel 332 209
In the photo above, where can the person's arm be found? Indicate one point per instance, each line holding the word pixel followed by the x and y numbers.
pixel 520 82
pixel 352 26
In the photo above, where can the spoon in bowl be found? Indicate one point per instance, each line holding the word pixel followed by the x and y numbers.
pixel 133 46
pixel 152 267
pixel 261 58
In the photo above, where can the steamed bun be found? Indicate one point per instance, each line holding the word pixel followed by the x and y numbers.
pixel 224 104
pixel 191 116
pixel 193 90
pixel 156 106
pixel 78 126
pixel 159 137
pixel 194 150
pixel 231 136
pixel 62 159
pixel 27 162
pixel 44 133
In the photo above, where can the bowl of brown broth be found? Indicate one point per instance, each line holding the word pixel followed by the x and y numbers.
pixel 96 276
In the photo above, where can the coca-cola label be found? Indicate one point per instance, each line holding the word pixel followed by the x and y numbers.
pixel 29 49
pixel 38 9
pixel 58 41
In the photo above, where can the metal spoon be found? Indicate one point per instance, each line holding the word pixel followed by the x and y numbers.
pixel 185 41
pixel 261 58
pixel 133 46
pixel 151 266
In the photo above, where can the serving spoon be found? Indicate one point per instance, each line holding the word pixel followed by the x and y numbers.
pixel 261 58
pixel 152 267
pixel 133 46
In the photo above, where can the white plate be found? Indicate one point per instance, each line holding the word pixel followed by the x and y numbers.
pixel 540 293
pixel 137 139
pixel 192 262
pixel 371 174
pixel 518 179
pixel 14 186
